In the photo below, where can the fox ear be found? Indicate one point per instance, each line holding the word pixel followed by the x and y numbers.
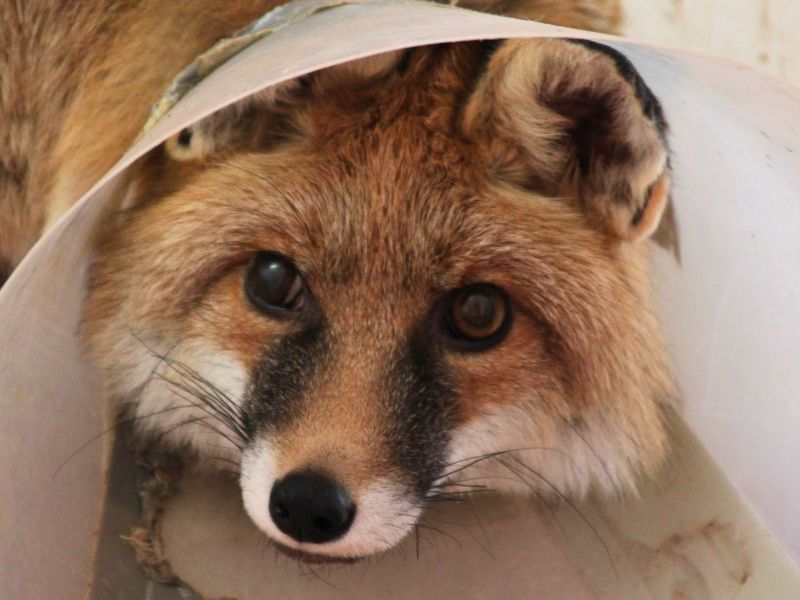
pixel 575 119
pixel 274 114
pixel 253 123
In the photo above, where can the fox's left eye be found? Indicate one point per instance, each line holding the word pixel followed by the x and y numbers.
pixel 478 316
pixel 274 284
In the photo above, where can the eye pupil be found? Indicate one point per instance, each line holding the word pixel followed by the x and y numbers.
pixel 274 283
pixel 478 316
pixel 478 309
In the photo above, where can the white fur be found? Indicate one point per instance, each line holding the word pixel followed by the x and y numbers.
pixel 383 517
pixel 161 408
pixel 567 464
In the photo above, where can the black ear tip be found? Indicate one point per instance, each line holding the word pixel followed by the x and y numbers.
pixel 185 137
pixel 625 68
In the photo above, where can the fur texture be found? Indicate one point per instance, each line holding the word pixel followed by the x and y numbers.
pixel 539 167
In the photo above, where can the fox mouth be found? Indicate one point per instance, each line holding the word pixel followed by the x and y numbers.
pixel 314 559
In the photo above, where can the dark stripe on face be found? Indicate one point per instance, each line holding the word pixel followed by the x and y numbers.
pixel 422 410
pixel 280 382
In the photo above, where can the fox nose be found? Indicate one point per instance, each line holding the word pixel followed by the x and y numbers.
pixel 311 508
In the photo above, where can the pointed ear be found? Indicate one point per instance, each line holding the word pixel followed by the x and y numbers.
pixel 575 119
pixel 271 115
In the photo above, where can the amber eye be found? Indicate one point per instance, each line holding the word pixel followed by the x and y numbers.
pixel 479 315
pixel 273 283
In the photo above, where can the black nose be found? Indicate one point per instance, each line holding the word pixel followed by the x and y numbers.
pixel 311 508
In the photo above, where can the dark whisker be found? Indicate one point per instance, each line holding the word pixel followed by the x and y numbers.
pixel 219 397
pixel 473 460
pixel 441 532
pixel 476 486
pixel 203 404
pixel 224 408
pixel 567 500
pixel 456 496
pixel 208 393
pixel 445 499
pixel 120 423
pixel 202 421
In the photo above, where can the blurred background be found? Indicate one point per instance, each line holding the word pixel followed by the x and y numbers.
pixel 761 33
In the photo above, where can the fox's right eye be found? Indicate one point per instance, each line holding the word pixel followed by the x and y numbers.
pixel 273 284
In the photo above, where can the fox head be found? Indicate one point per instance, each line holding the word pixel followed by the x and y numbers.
pixel 395 279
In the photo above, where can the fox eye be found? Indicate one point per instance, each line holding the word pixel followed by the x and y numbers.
pixel 274 284
pixel 478 316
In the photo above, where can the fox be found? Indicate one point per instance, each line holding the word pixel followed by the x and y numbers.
pixel 413 275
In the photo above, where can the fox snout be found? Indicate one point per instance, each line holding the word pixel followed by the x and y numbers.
pixel 343 455
pixel 310 511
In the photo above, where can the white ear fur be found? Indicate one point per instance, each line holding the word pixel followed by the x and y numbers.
pixel 646 221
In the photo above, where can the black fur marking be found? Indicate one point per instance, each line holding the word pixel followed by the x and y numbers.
pixel 483 52
pixel 281 380
pixel 5 271
pixel 185 137
pixel 404 63
pixel 422 411
pixel 650 104
pixel 590 132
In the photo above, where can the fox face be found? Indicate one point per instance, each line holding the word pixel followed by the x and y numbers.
pixel 415 275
